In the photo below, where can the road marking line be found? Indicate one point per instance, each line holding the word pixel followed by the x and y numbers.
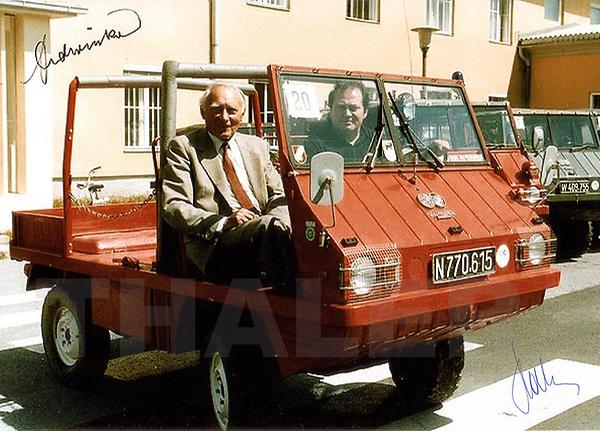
pixel 495 408
pixel 23 318
pixel 27 342
pixel 7 406
pixel 469 347
pixel 32 296
pixel 372 374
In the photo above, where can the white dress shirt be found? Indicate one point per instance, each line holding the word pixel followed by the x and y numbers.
pixel 240 170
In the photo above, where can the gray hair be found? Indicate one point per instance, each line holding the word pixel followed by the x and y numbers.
pixel 211 87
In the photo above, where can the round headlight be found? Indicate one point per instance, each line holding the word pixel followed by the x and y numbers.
pixel 595 185
pixel 537 248
pixel 532 195
pixel 362 275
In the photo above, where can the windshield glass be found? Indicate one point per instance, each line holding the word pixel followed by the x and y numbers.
pixel 441 122
pixel 563 131
pixel 572 131
pixel 494 122
pixel 335 114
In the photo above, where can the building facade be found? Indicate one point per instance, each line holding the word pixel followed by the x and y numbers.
pixel 26 109
pixel 114 128
pixel 562 67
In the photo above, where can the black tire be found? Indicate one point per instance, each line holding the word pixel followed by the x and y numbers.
pixel 77 351
pixel 428 373
pixel 574 237
pixel 236 383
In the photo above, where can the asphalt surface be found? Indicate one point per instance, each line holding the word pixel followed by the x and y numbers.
pixel 157 390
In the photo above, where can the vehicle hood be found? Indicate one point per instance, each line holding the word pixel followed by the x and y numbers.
pixel 383 208
pixel 575 165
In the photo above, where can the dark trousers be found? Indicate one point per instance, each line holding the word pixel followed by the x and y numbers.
pixel 257 252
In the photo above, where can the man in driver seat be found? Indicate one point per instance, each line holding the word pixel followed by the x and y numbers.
pixel 343 131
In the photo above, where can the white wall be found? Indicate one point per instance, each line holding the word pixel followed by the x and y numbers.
pixel 36 123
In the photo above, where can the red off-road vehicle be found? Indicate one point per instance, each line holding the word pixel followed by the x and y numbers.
pixel 400 251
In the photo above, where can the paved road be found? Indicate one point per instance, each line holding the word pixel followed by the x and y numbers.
pixel 154 389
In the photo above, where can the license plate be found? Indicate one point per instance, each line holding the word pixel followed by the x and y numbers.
pixel 463 264
pixel 574 187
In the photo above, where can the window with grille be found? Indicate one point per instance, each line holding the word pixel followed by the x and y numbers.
pixel 500 11
pixel 365 10
pixel 552 9
pixel 266 107
pixel 595 13
pixel 276 4
pixel 439 14
pixel 141 117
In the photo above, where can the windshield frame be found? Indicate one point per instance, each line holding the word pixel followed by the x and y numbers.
pixel 549 129
pixel 441 83
pixel 507 111
pixel 301 74
pixel 281 73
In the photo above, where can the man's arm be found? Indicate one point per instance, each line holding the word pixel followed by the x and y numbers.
pixel 178 189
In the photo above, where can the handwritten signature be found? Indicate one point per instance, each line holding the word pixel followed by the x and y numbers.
pixel 532 385
pixel 43 63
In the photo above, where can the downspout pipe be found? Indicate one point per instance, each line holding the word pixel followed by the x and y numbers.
pixel 214 30
pixel 526 91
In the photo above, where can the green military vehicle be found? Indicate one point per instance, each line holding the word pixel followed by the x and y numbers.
pixel 568 140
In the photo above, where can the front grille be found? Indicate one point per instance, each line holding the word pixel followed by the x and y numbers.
pixel 386 263
pixel 523 255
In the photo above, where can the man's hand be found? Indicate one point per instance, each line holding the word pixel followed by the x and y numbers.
pixel 238 218
pixel 440 147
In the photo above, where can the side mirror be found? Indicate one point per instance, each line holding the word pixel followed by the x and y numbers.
pixel 406 103
pixel 537 140
pixel 548 161
pixel 326 178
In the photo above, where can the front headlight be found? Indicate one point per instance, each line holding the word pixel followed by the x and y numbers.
pixel 363 275
pixel 537 248
pixel 531 195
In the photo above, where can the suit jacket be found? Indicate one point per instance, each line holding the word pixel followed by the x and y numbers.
pixel 193 181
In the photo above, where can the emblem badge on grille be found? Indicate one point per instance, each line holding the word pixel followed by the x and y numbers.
pixel 431 200
pixel 310 230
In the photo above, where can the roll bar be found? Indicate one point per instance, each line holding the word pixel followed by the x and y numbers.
pixel 120 81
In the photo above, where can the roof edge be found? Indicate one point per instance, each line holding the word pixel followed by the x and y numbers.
pixel 573 32
pixel 41 7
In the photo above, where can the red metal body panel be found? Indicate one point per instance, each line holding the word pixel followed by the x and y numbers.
pixel 379 208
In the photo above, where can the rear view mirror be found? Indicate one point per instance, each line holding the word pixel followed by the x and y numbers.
pixel 548 162
pixel 537 140
pixel 326 178
pixel 406 103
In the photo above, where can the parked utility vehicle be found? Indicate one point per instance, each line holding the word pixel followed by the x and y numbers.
pixel 573 182
pixel 400 252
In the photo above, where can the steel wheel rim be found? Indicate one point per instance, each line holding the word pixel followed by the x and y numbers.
pixel 219 391
pixel 66 336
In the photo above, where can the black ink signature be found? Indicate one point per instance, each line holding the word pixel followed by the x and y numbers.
pixel 533 384
pixel 43 63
